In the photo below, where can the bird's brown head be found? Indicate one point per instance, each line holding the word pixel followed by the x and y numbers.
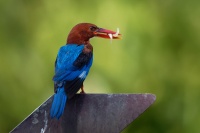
pixel 81 33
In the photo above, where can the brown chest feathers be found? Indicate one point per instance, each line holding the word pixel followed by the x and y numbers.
pixel 88 48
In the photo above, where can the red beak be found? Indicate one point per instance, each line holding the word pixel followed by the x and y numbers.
pixel 104 33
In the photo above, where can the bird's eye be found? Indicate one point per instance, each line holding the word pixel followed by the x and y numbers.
pixel 92 28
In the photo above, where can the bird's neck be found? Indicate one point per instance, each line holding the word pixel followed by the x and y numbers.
pixel 77 40
pixel 80 41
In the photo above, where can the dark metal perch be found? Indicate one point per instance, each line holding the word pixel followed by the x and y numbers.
pixel 88 113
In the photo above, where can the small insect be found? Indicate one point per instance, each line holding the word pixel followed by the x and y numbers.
pixel 117 33
pixel 113 35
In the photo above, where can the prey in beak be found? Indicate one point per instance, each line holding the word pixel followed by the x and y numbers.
pixel 108 34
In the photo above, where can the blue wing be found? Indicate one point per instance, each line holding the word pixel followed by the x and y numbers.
pixel 71 68
pixel 64 69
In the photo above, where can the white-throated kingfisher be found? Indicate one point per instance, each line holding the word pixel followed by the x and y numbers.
pixel 73 63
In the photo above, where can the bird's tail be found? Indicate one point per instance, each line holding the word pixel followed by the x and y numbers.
pixel 58 105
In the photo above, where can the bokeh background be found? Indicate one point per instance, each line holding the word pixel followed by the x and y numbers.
pixel 159 53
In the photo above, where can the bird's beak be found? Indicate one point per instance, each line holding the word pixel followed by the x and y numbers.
pixel 104 33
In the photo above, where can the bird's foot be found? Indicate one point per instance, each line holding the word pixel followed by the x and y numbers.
pixel 82 92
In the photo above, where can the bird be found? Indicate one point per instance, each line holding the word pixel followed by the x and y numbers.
pixel 73 63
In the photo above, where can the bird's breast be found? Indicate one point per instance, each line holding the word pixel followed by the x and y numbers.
pixel 87 48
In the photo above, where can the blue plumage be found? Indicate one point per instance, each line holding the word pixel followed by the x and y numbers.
pixel 73 63
pixel 71 68
pixel 58 105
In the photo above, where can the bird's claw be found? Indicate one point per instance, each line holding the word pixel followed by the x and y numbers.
pixel 82 92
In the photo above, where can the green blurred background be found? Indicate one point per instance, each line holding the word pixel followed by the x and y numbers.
pixel 159 53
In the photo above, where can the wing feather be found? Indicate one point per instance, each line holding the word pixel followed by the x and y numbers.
pixel 71 68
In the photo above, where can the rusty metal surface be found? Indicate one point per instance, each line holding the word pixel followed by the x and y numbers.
pixel 88 113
